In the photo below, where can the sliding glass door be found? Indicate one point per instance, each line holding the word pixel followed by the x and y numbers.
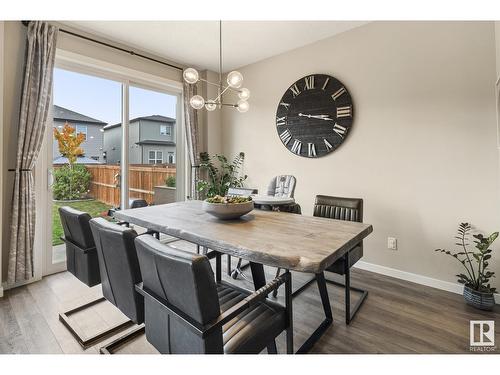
pixel 114 137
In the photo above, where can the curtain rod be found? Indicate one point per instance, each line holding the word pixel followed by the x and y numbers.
pixel 130 52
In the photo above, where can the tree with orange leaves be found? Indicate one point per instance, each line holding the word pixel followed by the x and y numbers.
pixel 69 142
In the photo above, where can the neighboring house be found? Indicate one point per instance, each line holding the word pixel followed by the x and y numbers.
pixel 151 141
pixel 90 127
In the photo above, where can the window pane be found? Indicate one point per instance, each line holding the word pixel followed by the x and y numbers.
pixel 152 139
pixel 91 106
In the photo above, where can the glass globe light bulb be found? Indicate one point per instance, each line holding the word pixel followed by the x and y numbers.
pixel 197 102
pixel 211 106
pixel 190 75
pixel 243 106
pixel 235 79
pixel 244 94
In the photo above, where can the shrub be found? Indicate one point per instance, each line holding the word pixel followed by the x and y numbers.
pixel 170 181
pixel 71 182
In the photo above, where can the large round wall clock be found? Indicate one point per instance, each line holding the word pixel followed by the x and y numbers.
pixel 314 116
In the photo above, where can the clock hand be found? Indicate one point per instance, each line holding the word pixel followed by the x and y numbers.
pixel 320 117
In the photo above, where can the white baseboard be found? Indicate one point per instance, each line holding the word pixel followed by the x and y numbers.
pixel 413 277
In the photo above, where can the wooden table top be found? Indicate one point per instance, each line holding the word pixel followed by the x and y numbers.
pixel 291 241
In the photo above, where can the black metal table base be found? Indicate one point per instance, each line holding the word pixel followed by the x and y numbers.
pixel 326 323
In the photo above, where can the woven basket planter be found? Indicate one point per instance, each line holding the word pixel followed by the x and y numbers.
pixel 480 300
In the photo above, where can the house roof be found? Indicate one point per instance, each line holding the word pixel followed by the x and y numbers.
pixel 155 142
pixel 61 113
pixel 79 160
pixel 156 118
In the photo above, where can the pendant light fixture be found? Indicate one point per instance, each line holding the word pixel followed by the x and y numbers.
pixel 234 82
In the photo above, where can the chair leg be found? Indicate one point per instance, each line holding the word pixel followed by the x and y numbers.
pixel 238 271
pixel 271 348
pixel 229 265
pixel 109 348
pixel 84 341
pixel 275 291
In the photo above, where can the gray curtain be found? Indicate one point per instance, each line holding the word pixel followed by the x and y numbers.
pixel 193 137
pixel 35 103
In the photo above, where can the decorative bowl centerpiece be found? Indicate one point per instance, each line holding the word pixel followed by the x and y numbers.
pixel 227 208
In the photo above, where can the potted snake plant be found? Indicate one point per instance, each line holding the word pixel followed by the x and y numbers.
pixel 478 291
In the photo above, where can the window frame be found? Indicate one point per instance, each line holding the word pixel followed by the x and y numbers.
pixel 80 132
pixel 156 157
pixel 168 130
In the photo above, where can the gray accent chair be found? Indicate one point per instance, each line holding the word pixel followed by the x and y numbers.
pixel 190 312
pixel 349 209
pixel 82 261
pixel 282 186
pixel 120 273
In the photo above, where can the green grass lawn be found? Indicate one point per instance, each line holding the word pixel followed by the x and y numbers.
pixel 93 207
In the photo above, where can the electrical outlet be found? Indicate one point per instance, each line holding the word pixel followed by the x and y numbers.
pixel 392 243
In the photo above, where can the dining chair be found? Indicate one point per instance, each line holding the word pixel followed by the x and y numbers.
pixel 119 268
pixel 282 186
pixel 238 270
pixel 188 311
pixel 349 209
pixel 82 262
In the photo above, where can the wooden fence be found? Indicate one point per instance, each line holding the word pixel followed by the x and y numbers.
pixel 142 179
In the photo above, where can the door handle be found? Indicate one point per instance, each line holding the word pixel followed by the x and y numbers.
pixel 50 178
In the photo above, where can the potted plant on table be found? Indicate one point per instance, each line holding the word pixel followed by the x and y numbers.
pixel 478 291
pixel 222 175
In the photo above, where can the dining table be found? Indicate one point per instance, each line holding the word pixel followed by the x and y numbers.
pixel 292 242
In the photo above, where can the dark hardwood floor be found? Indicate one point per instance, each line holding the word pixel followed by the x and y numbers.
pixel 397 317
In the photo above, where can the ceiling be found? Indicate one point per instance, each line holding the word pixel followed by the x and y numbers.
pixel 196 43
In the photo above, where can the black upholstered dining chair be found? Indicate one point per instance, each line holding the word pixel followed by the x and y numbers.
pixel 188 311
pixel 350 209
pixel 82 262
pixel 120 272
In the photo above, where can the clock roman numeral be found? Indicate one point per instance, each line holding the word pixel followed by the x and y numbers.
pixel 309 83
pixel 344 111
pixel 295 90
pixel 311 150
pixel 286 105
pixel 281 121
pixel 297 146
pixel 286 136
pixel 326 83
pixel 328 145
pixel 338 93
pixel 340 130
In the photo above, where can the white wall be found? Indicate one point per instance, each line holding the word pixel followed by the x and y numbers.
pixel 422 152
pixel 14 47
pixel 1 145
